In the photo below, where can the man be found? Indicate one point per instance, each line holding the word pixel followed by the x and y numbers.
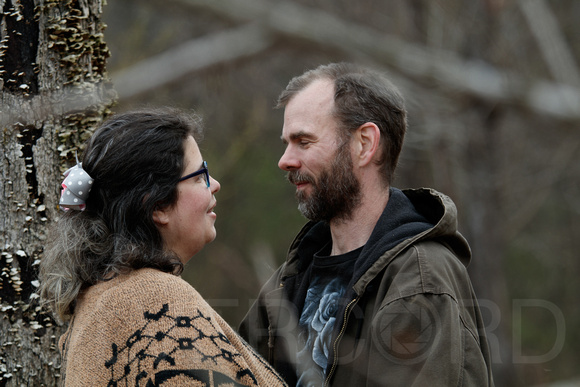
pixel 374 291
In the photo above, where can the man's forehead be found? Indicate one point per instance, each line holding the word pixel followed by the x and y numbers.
pixel 310 108
pixel 319 92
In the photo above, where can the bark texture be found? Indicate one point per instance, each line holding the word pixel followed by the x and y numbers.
pixel 53 91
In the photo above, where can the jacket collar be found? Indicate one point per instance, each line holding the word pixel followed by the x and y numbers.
pixel 409 216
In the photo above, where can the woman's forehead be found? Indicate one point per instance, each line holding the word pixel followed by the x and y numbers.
pixel 193 156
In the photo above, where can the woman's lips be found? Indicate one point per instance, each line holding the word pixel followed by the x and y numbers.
pixel 210 211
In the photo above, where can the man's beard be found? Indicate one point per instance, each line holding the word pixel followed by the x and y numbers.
pixel 336 193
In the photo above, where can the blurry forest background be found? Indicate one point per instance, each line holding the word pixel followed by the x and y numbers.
pixel 493 96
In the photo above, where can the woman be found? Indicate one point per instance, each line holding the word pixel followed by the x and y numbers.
pixel 139 206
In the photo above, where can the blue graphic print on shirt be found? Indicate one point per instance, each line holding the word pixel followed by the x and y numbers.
pixel 317 322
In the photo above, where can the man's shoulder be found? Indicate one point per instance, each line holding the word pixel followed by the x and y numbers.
pixel 427 266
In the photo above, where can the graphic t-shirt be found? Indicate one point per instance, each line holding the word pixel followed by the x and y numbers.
pixel 329 278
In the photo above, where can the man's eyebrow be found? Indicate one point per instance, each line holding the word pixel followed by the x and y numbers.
pixel 297 136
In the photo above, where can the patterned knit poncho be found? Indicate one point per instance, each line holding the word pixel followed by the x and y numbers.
pixel 150 328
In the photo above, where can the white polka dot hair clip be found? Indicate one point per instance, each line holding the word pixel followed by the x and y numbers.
pixel 76 187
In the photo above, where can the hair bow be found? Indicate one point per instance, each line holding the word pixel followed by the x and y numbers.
pixel 75 188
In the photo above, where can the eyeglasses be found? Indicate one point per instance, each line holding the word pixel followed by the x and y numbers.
pixel 203 170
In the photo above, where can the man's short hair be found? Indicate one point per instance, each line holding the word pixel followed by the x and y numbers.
pixel 361 95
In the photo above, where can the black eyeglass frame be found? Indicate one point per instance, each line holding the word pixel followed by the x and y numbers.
pixel 203 170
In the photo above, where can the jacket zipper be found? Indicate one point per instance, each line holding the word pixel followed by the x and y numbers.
pixel 338 338
pixel 271 337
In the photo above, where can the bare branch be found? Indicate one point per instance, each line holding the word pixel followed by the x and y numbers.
pixel 420 62
pixel 527 208
pixel 553 46
pixel 191 56
pixel 66 100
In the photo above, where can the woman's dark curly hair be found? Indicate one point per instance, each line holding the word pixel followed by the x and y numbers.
pixel 135 160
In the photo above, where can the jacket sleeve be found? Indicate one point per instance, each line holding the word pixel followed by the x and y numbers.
pixel 422 340
pixel 255 326
pixel 427 328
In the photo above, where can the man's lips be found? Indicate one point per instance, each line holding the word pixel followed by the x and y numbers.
pixel 299 180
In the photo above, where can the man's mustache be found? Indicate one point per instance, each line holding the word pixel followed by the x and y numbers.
pixel 296 177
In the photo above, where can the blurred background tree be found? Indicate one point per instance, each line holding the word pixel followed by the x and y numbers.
pixel 493 95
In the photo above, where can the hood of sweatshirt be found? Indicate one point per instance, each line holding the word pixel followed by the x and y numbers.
pixel 409 216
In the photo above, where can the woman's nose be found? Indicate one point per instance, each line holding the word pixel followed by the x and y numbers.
pixel 214 185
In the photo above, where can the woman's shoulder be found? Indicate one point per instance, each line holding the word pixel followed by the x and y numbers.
pixel 151 283
pixel 152 277
pixel 140 288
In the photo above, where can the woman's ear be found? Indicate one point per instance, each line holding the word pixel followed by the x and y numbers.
pixel 368 137
pixel 160 217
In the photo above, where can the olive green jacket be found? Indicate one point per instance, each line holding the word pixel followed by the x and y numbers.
pixel 410 318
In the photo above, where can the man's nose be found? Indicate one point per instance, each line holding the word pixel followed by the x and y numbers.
pixel 288 161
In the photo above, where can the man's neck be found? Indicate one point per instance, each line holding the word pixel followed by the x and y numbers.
pixel 354 232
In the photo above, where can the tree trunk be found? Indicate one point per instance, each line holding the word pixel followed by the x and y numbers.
pixel 53 91
pixel 486 233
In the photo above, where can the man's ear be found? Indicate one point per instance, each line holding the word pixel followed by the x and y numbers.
pixel 160 217
pixel 368 137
